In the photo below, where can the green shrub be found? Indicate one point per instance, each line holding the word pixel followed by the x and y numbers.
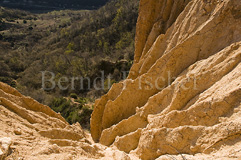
pixel 72 112
pixel 84 116
pixel 9 81
pixel 73 95
pixel 59 104
pixel 16 64
pixel 81 100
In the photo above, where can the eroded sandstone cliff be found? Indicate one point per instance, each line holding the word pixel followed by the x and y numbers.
pixel 30 130
pixel 183 93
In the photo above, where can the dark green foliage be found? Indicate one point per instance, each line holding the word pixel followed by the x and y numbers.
pixel 59 104
pixel 2 26
pixel 73 112
pixel 73 95
pixel 9 81
pixel 84 116
pixel 16 65
pixel 81 100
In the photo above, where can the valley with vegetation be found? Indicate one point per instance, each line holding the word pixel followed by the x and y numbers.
pixel 67 43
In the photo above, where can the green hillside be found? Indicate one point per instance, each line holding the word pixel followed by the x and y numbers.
pixel 67 43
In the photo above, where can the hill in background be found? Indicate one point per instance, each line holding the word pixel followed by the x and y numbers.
pixel 46 5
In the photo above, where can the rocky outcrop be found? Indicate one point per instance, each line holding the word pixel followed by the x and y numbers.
pixel 155 17
pixel 5 144
pixel 183 93
pixel 30 130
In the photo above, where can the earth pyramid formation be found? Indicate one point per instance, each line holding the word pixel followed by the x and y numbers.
pixel 183 92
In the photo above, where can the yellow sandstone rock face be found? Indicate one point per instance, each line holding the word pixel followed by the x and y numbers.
pixel 32 131
pixel 183 93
